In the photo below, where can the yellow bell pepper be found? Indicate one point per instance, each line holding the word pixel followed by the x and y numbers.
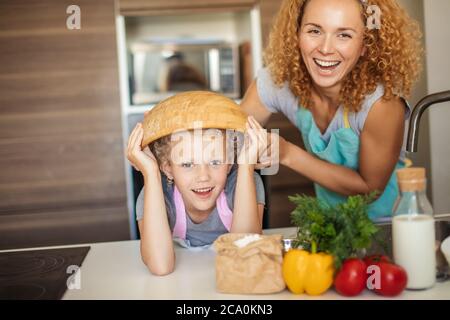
pixel 308 272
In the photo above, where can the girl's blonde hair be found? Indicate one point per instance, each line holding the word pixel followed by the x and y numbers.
pixel 392 58
pixel 162 147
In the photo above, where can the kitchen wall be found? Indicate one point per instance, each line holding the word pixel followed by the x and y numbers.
pixel 422 157
pixel 434 149
pixel 437 35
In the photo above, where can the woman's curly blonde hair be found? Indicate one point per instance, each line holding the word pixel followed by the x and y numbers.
pixel 392 58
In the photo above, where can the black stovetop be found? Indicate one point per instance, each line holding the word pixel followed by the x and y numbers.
pixel 38 274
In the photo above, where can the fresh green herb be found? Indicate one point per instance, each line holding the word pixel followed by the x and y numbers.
pixel 340 230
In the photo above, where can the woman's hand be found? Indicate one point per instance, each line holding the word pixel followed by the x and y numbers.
pixel 141 159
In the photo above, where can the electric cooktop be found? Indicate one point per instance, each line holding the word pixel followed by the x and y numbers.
pixel 39 274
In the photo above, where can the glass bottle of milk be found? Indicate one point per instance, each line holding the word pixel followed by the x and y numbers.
pixel 413 233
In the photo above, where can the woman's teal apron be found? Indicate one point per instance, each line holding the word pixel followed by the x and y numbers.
pixel 343 149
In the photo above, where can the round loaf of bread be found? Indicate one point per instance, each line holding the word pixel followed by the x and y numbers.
pixel 192 110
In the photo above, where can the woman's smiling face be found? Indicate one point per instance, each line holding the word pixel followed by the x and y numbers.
pixel 331 40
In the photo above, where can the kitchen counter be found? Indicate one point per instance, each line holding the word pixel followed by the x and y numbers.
pixel 114 270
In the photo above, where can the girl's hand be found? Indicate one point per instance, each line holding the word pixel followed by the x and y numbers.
pixel 141 159
pixel 255 138
pixel 263 148
pixel 271 153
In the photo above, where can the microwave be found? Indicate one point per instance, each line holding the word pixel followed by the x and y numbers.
pixel 163 67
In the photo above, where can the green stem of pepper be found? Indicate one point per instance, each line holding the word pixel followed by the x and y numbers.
pixel 313 247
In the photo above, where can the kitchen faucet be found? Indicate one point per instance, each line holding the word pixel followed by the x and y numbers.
pixel 412 141
pixel 442 220
pixel 413 136
pixel 414 122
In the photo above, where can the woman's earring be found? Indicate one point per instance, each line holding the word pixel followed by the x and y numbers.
pixel 169 181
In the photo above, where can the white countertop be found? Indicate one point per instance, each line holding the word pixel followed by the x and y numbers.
pixel 114 270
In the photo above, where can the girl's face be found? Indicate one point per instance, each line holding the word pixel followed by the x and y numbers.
pixel 198 168
pixel 331 40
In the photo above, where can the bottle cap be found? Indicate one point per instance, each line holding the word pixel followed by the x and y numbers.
pixel 411 179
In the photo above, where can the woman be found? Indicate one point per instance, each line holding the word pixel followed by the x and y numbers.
pixel 342 84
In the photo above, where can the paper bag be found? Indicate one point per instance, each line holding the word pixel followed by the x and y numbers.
pixel 253 269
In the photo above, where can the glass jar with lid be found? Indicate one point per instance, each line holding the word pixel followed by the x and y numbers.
pixel 413 230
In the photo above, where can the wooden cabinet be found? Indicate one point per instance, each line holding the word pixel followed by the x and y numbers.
pixel 61 156
pixel 154 7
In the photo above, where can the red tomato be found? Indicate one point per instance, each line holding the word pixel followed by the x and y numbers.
pixel 351 278
pixel 375 258
pixel 389 281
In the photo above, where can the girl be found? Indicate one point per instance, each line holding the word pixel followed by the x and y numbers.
pixel 339 71
pixel 202 197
